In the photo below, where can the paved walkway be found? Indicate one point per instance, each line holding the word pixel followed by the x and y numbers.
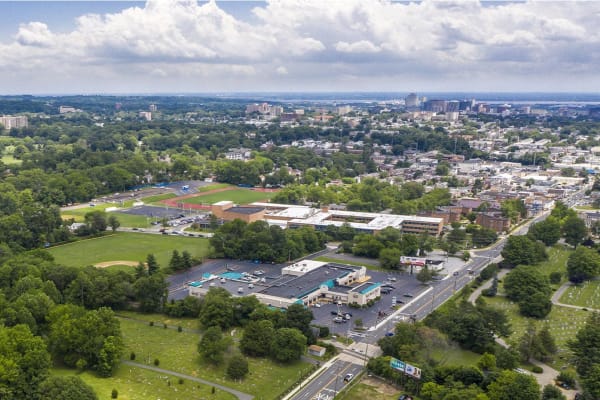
pixel 545 378
pixel 558 294
pixel 238 394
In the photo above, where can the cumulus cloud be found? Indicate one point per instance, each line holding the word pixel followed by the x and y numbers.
pixel 400 42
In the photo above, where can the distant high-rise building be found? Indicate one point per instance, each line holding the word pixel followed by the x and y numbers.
pixel 343 110
pixel 152 107
pixel 118 106
pixel 453 106
pixel 412 100
pixel 435 105
pixel 14 122
pixel 467 105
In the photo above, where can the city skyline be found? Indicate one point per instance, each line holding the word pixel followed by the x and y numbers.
pixel 170 46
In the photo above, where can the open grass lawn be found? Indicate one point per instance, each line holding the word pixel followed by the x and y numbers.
pixel 213 186
pixel 160 319
pixel 372 389
pixel 138 384
pixel 557 261
pixel 126 220
pixel 158 197
pixel 584 295
pixel 348 262
pixel 124 246
pixel 9 159
pixel 563 323
pixel 455 356
pixel 177 351
pixel 238 196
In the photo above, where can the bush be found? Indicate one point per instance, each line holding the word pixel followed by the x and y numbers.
pixel 156 362
pixel 132 356
pixel 165 326
pixel 555 278
pixel 179 329
pixel 151 323
pixel 180 381
pixel 537 369
pixel 114 394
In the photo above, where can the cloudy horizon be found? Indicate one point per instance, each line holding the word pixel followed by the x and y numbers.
pixel 186 46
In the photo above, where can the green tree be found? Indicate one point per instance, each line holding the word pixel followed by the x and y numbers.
pixel 186 260
pixel 551 392
pixel 574 230
pixel 530 289
pixel 257 338
pixel 66 388
pixel 522 250
pixel 424 275
pixel 512 385
pixel 217 309
pixel 591 382
pixel 151 292
pixel 583 264
pixel 237 367
pixel 96 221
pixel 547 231
pixel 389 258
pixel 299 317
pixel 213 344
pixel 176 262
pixel 487 362
pixel 113 222
pixel 24 363
pixel 152 264
pixel 586 348
pixel 288 345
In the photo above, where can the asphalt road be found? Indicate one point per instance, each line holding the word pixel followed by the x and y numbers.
pixel 329 382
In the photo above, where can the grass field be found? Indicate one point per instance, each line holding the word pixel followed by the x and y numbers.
pixel 585 295
pixel 557 261
pixel 138 384
pixel 158 197
pixel 238 196
pixel 177 351
pixel 372 389
pixel 160 319
pixel 355 263
pixel 213 186
pixel 8 159
pixel 127 247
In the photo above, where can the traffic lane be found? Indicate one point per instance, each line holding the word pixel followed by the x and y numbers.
pixel 330 382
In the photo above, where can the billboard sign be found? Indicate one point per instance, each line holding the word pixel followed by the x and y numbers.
pixel 407 369
pixel 412 371
pixel 397 364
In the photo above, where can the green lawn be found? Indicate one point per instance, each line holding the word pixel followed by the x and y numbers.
pixel 9 159
pixel 213 187
pixel 127 247
pixel 160 319
pixel 370 389
pixel 139 384
pixel 238 196
pixel 177 351
pixel 563 323
pixel 355 263
pixel 455 356
pixel 158 197
pixel 557 261
pixel 584 295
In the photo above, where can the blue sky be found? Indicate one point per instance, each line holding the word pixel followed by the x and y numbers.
pixel 298 45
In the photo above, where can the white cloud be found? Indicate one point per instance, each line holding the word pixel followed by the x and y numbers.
pixel 362 46
pixel 319 42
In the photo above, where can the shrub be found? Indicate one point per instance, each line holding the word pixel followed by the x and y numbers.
pixel 114 394
pixel 165 326
pixel 555 277
pixel 180 381
pixel 179 329
pixel 132 356
pixel 156 362
pixel 151 323
pixel 537 369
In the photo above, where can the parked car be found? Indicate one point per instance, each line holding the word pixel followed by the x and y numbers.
pixel 408 295
pixel 348 377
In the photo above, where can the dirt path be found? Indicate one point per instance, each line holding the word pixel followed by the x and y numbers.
pixel 111 263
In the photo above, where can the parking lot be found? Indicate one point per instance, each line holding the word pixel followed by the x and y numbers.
pixel 401 287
